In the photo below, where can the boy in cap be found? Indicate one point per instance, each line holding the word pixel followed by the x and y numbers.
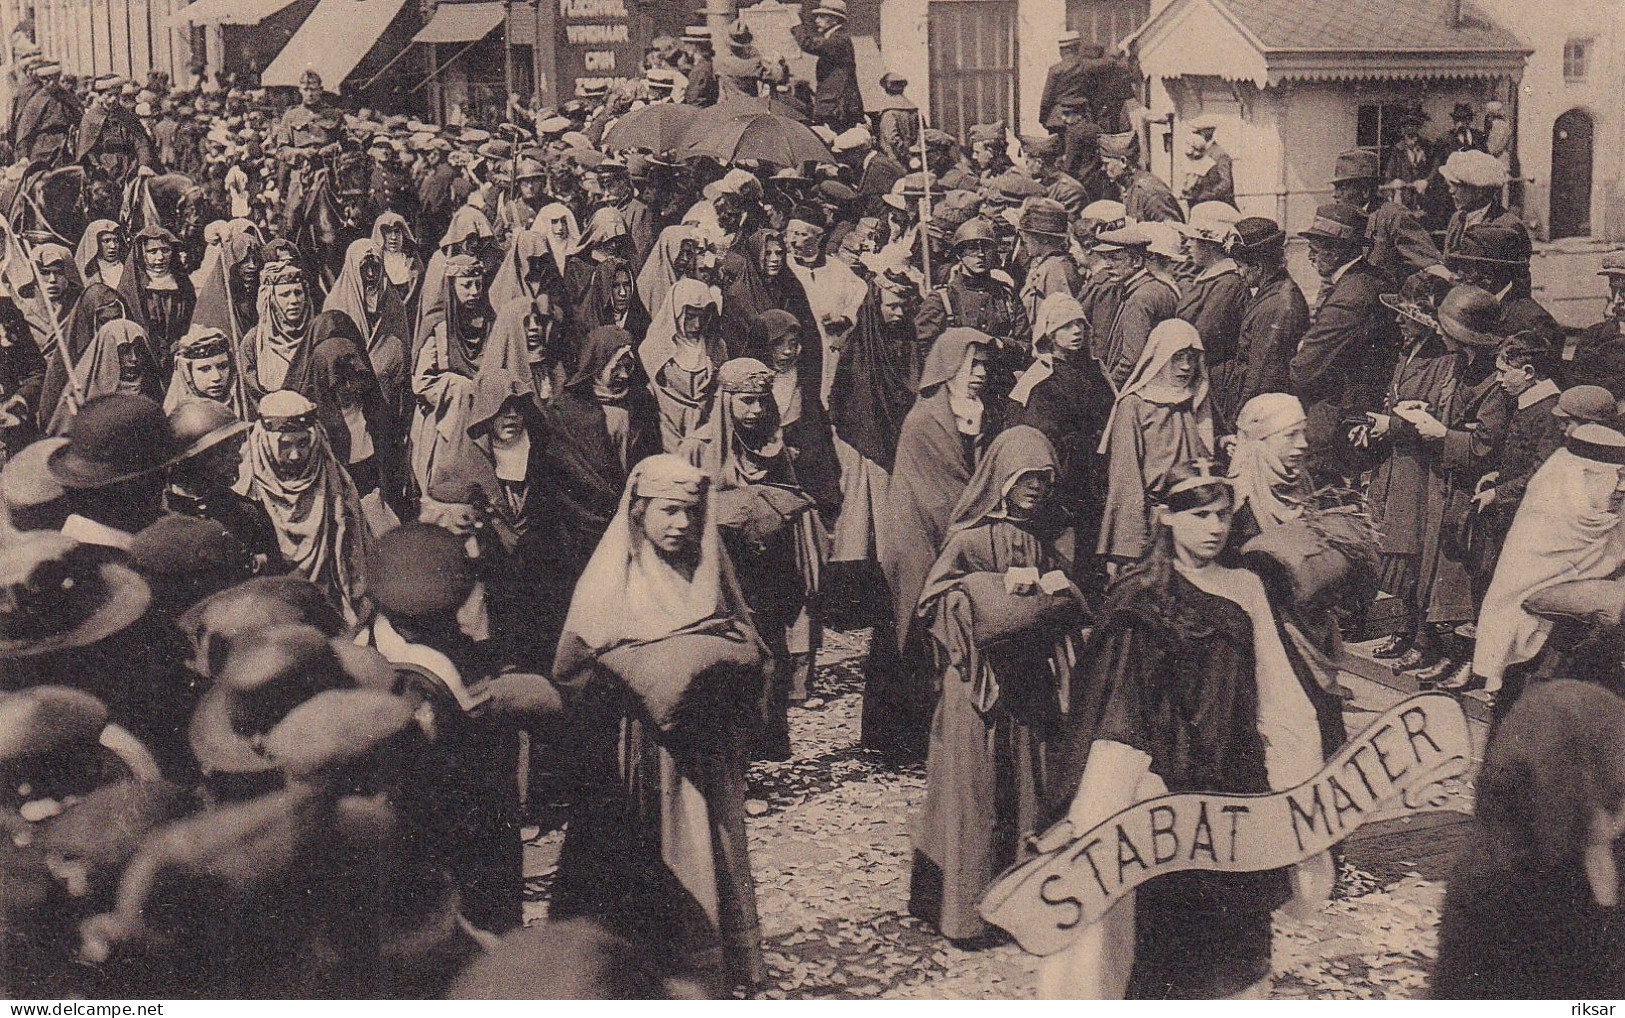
pixel 1597 355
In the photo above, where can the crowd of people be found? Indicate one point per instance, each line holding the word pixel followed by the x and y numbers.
pixel 542 472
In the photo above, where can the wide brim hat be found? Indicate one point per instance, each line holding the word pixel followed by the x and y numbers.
pixel 212 439
pixel 1337 222
pixel 26 482
pixel 131 425
pixel 110 597
pixel 1467 315
pixel 1356 164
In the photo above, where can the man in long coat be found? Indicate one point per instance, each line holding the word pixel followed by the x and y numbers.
pixel 836 99
pixel 1397 243
pixel 1347 356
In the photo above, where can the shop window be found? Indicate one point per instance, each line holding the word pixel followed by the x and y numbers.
pixel 1377 126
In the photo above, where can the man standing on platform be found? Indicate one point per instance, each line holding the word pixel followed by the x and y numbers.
pixel 822 34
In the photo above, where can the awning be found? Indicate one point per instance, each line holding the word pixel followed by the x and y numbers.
pixel 332 41
pixel 454 23
pixel 227 12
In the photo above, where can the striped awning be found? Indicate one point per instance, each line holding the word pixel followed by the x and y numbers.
pixel 332 41
pixel 227 12
pixel 454 23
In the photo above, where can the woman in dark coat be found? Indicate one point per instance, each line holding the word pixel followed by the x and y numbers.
pixel 1531 910
pixel 942 441
pixel 757 278
pixel 1001 699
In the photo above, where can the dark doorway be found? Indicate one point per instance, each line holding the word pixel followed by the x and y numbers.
pixel 1571 175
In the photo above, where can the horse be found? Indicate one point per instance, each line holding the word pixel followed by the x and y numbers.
pixel 57 204
pixel 328 214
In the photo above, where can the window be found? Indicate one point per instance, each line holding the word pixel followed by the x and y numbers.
pixel 1377 126
pixel 1576 59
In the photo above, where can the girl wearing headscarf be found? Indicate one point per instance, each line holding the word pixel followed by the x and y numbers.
pixel 118 361
pixel 49 296
pixel 1186 685
pixel 560 232
pixel 275 353
pixel 1312 554
pixel 470 236
pixel 526 271
pixel 872 394
pixel 1001 699
pixel 1159 421
pixel 776 339
pixel 770 528
pixel 680 252
pixel 663 857
pixel 680 356
pixel 360 422
pixel 320 528
pixel 159 296
pixel 1065 395
pixel 442 379
pixel 759 280
pixel 611 298
pixel 229 282
pixel 101 252
pixel 1567 528
pixel 402 266
pixel 943 439
pixel 362 293
pixel 1531 908
pixel 204 372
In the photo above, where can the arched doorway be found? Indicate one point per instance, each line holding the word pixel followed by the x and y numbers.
pixel 1571 175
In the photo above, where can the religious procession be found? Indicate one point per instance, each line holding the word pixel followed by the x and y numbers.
pixel 522 559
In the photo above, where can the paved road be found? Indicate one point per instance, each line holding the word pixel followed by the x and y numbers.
pixel 830 852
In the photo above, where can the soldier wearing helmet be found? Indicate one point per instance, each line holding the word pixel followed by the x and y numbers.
pixel 980 295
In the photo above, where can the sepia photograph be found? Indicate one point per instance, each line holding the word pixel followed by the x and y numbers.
pixel 816 500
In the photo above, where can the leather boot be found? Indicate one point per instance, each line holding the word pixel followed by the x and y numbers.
pixel 1392 647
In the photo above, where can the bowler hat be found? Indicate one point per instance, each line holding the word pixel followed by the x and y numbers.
pixel 1470 316
pixel 1256 234
pixel 25 482
pixel 1356 164
pixel 56 594
pixel 42 719
pixel 1587 403
pixel 115 438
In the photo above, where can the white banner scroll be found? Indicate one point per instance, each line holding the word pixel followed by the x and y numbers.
pixel 1400 760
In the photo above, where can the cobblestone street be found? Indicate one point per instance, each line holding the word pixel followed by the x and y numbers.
pixel 830 852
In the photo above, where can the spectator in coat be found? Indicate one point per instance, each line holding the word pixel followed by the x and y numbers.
pixel 1215 300
pixel 1142 255
pixel 898 129
pixel 1218 181
pixel 1398 245
pixel 1348 352
pixel 1598 357
pixel 823 34
pixel 702 76
pixel 1409 165
pixel 1463 136
pixel 1069 77
pixel 1496 258
pixel 1273 320
pixel 1145 197
pixel 1475 180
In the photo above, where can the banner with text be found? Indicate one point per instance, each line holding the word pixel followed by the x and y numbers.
pixel 1397 762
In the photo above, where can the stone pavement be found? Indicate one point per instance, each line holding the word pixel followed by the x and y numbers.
pixel 830 852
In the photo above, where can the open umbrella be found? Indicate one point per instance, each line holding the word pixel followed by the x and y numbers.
pixel 765 137
pixel 740 105
pixel 658 127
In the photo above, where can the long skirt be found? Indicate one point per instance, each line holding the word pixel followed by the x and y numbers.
pixel 984 786
pixel 662 858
